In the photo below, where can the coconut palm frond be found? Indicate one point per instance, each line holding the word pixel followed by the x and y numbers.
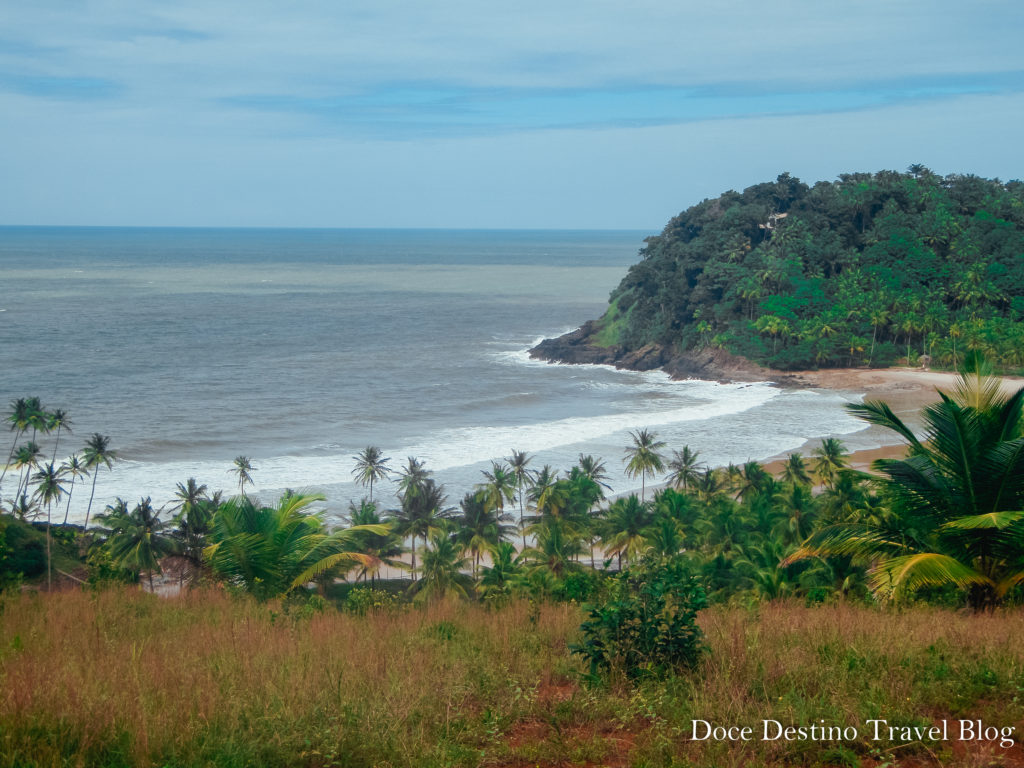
pixel 863 543
pixel 325 564
pixel 909 572
pixel 877 412
pixel 997 520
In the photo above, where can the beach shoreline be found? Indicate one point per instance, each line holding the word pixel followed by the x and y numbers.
pixel 908 391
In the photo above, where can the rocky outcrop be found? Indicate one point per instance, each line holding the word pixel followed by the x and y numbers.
pixel 707 364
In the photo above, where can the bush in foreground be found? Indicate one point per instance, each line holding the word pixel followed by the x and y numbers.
pixel 648 624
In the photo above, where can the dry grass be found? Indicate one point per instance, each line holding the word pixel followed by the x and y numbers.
pixel 121 678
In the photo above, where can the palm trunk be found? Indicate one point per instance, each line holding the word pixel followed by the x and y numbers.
pixel 522 521
pixel 49 558
pixel 88 509
pixel 10 456
pixel 68 507
pixel 57 443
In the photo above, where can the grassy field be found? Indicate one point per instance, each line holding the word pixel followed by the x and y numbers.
pixel 121 678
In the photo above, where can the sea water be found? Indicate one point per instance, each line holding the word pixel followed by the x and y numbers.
pixel 298 348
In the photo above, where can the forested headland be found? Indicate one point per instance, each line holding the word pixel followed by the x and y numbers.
pixel 869 270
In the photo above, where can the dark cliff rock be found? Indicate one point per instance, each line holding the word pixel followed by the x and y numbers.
pixel 708 364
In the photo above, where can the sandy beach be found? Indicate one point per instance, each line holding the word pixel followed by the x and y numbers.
pixel 906 390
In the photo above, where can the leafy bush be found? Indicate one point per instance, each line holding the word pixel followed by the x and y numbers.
pixel 647 626
pixel 363 600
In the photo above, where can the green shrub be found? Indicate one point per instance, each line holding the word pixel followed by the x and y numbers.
pixel 362 600
pixel 647 625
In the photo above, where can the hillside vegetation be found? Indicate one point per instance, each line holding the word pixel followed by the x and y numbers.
pixel 866 270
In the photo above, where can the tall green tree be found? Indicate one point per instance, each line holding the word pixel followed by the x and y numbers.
pixel 382 549
pixel 644 457
pixel 443 565
pixel 519 463
pixel 193 513
pixel 48 491
pixel 242 468
pixel 97 454
pixel 25 460
pixel 58 420
pixel 481 526
pixel 74 468
pixel 684 468
pixel 421 513
pixel 371 466
pixel 269 551
pixel 137 540
pixel 957 499
pixel 18 419
pixel 830 458
pixel 625 527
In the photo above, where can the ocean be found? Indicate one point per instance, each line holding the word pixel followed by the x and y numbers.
pixel 298 348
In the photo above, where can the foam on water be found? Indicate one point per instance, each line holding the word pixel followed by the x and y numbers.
pixel 300 348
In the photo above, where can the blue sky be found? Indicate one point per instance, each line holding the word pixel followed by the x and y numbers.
pixel 452 113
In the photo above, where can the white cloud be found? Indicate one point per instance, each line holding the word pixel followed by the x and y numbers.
pixel 171 144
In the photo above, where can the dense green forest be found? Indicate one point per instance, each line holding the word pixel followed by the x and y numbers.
pixel 867 270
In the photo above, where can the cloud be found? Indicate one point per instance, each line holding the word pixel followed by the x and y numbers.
pixel 150 106
pixel 403 110
pixel 50 87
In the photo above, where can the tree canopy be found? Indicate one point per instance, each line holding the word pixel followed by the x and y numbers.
pixel 868 269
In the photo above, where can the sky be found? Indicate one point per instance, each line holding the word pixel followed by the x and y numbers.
pixel 475 114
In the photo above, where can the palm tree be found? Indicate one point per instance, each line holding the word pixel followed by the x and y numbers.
pixel 383 549
pixel 664 537
pixel 189 495
pixel 25 460
pixel 625 524
pixel 830 458
pixel 48 490
pixel 518 462
pixel 643 457
pixel 499 487
pixel 795 470
pixel 796 502
pixel 25 507
pixel 504 573
pixel 594 469
pixel 554 553
pixel 550 495
pixel 97 454
pixel 371 465
pixel 18 418
pixel 136 541
pixel 754 481
pixel 443 563
pixel 243 468
pixel 957 498
pixel 57 420
pixel 481 525
pixel 75 467
pixel 192 522
pixel 421 514
pixel 38 418
pixel 541 489
pixel 710 485
pixel 269 551
pixel 683 468
pixel 414 473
